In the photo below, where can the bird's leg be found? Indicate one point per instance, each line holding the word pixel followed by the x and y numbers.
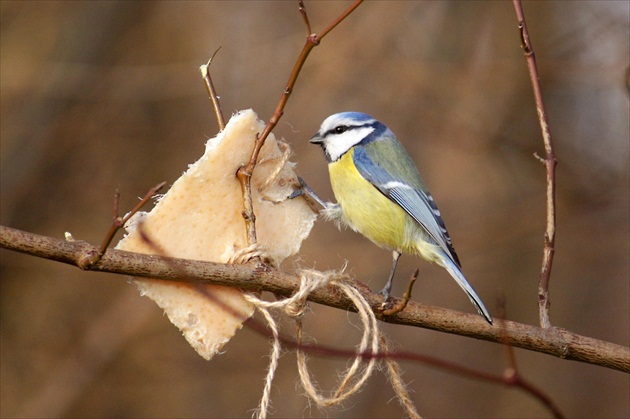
pixel 308 194
pixel 388 286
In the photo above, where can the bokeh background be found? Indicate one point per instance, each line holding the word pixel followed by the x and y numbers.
pixel 97 96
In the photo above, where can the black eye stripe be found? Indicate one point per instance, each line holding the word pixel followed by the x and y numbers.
pixel 340 129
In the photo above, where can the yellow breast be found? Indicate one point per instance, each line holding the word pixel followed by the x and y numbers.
pixel 367 210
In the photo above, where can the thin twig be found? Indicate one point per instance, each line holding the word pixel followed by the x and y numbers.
pixel 212 93
pixel 550 164
pixel 244 173
pixel 512 375
pixel 553 341
pixel 307 23
pixel 92 258
pixel 402 303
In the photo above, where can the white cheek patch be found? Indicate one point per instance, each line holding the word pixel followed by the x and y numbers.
pixel 338 144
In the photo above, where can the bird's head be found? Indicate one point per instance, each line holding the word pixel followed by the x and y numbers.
pixel 342 131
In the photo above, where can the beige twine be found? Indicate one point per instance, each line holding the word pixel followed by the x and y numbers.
pixel 308 283
pixel 395 378
pixel 245 254
pixel 355 377
pixel 369 345
pixel 279 163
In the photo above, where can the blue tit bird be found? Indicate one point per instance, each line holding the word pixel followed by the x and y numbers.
pixel 381 195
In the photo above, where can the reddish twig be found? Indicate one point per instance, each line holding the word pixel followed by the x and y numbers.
pixel 244 173
pixel 90 259
pixel 441 364
pixel 307 23
pixel 212 93
pixel 550 164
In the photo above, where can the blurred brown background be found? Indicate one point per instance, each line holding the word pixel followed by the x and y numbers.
pixel 104 95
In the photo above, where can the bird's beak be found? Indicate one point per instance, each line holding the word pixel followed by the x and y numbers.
pixel 317 139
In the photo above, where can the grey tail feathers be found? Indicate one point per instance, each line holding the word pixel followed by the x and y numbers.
pixel 452 268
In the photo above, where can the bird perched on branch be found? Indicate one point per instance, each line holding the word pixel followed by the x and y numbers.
pixel 381 195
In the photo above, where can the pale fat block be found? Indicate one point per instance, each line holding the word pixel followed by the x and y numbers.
pixel 200 218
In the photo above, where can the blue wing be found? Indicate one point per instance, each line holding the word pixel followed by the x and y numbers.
pixel 416 202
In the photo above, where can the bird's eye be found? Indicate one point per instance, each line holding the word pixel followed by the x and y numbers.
pixel 341 129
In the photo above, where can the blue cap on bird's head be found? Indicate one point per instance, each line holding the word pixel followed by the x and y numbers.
pixel 355 116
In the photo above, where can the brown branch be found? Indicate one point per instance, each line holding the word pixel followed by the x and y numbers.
pixel 550 164
pixel 553 341
pixel 244 173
